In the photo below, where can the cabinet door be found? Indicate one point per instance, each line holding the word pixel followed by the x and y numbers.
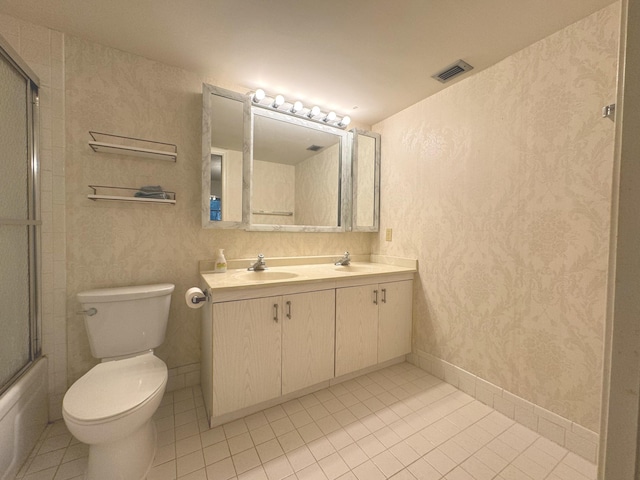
pixel 395 319
pixel 308 337
pixel 246 353
pixel 356 328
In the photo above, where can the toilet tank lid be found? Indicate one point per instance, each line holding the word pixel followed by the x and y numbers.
pixel 118 294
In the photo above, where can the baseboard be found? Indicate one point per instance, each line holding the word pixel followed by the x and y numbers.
pixel 573 437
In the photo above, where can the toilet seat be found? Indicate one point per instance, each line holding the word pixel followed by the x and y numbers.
pixel 114 389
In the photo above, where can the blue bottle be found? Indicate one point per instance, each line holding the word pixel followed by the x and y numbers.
pixel 214 208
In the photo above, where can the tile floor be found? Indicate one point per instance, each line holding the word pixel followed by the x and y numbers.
pixel 399 423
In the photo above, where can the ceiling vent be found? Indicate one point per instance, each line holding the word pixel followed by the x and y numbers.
pixel 452 71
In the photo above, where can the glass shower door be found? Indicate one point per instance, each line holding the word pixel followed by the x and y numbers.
pixel 18 222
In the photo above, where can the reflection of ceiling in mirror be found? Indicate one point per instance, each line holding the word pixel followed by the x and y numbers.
pixel 226 123
pixel 216 168
pixel 274 141
pixel 287 143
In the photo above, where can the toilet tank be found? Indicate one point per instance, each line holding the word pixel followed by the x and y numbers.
pixel 126 320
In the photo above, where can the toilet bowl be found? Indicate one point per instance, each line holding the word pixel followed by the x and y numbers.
pixel 110 408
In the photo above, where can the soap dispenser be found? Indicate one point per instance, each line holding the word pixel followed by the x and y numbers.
pixel 220 262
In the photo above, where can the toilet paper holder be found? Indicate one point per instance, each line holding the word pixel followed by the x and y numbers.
pixel 196 300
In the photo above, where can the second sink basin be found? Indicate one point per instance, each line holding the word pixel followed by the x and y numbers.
pixel 354 268
pixel 264 275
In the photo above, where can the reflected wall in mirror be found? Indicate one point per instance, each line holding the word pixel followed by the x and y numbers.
pixel 300 170
pixel 366 181
pixel 222 150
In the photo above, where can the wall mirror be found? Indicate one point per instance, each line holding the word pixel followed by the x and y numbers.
pixel 366 181
pixel 267 170
pixel 300 174
pixel 222 157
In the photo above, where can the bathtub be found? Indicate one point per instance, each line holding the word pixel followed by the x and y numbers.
pixel 24 414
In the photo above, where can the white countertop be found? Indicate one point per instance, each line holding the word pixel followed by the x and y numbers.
pixel 295 273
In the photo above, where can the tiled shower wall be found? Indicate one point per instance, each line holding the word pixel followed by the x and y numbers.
pixel 43 50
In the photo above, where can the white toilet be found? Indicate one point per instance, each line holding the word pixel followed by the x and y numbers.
pixel 111 406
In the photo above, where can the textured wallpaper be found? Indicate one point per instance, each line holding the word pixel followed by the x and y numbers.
pixel 317 188
pixel 500 185
pixel 113 244
pixel 274 190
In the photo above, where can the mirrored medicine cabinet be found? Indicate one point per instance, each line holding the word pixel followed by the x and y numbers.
pixel 266 170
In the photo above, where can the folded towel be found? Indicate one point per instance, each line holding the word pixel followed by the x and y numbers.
pixel 151 188
pixel 160 195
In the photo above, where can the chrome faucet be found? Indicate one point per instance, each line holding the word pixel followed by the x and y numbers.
pixel 259 265
pixel 345 260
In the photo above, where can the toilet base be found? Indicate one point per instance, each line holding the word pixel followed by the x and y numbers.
pixel 127 459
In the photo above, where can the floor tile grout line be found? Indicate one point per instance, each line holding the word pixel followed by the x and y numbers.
pixel 352 398
pixel 567 453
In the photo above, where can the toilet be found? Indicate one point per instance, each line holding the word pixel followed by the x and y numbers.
pixel 110 407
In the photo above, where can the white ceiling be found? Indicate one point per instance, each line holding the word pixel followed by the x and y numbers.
pixel 378 55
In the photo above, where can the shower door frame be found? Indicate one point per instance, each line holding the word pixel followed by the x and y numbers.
pixel 34 221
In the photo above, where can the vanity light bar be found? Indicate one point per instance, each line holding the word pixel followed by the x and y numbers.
pixel 278 102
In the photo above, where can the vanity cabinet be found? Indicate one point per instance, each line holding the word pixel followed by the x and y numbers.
pixel 373 324
pixel 267 347
pixel 273 341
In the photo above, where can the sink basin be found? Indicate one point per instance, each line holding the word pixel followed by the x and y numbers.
pixel 354 268
pixel 264 275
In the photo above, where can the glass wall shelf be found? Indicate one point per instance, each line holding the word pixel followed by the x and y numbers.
pixel 137 147
pixel 126 194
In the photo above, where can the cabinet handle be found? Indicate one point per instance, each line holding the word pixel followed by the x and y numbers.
pixel 375 297
pixel 275 312
pixel 288 309
pixel 384 295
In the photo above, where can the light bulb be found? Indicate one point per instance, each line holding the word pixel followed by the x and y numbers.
pixel 278 101
pixel 259 95
pixel 297 107
pixel 346 120
pixel 331 116
pixel 315 111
